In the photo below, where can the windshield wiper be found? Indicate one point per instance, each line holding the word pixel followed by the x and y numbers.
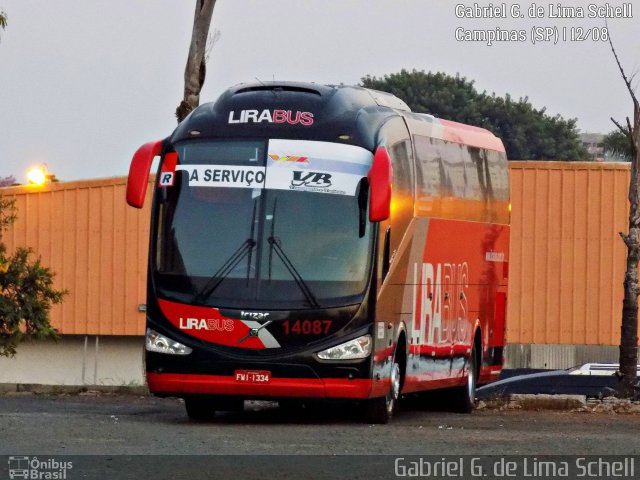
pixel 276 245
pixel 227 267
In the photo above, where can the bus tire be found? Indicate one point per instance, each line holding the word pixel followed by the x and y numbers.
pixel 204 408
pixel 293 406
pixel 380 410
pixel 199 409
pixel 463 398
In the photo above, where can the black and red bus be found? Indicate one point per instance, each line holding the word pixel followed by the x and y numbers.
pixel 323 242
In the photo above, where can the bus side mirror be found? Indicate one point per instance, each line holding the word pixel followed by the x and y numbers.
pixel 139 172
pixel 380 177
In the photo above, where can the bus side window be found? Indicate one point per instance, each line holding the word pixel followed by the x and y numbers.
pixel 479 196
pixel 478 174
pixel 402 193
pixel 498 172
pixel 431 178
pixel 497 167
pixel 395 137
pixel 454 167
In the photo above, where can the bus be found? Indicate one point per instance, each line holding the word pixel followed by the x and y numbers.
pixel 323 242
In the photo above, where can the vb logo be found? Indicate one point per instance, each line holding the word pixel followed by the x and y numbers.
pixel 311 179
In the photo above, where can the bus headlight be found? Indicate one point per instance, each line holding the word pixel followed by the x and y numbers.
pixel 354 349
pixel 159 343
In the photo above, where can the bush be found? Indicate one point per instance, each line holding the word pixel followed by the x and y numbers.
pixel 26 291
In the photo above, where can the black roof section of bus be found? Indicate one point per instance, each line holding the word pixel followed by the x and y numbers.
pixel 343 114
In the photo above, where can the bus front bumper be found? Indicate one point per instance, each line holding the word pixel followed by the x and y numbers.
pixel 179 384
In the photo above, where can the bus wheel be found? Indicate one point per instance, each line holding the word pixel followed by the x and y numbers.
pixel 199 408
pixel 294 405
pixel 204 408
pixel 380 410
pixel 464 397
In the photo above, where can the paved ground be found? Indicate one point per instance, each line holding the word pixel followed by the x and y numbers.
pixel 113 426
pixel 146 425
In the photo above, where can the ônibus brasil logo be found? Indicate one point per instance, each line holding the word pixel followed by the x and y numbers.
pixel 35 468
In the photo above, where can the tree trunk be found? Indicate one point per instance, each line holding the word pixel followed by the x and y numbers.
pixel 195 71
pixel 629 328
pixel 628 363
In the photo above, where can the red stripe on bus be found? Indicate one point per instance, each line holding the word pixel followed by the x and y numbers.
pixel 430 381
pixel 178 383
pixel 440 351
pixel 208 324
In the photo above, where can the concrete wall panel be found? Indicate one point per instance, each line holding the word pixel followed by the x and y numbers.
pixel 77 360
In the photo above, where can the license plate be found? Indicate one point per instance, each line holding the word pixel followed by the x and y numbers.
pixel 252 376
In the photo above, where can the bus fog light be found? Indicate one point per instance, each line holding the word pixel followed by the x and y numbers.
pixel 354 349
pixel 159 343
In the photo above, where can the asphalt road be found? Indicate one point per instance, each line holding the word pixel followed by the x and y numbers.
pixel 115 426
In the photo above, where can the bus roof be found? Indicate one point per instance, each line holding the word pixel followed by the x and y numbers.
pixel 342 114
pixel 336 113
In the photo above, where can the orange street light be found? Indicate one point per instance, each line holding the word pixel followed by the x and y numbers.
pixel 38 176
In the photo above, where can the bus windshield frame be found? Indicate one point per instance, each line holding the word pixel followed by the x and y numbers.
pixel 244 225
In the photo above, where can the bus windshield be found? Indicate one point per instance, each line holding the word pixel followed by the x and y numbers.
pixel 243 227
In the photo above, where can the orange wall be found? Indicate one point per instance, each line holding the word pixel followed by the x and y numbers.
pixel 566 269
pixel 96 245
pixel 567 260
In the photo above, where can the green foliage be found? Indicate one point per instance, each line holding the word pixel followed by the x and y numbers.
pixel 26 292
pixel 618 145
pixel 527 133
